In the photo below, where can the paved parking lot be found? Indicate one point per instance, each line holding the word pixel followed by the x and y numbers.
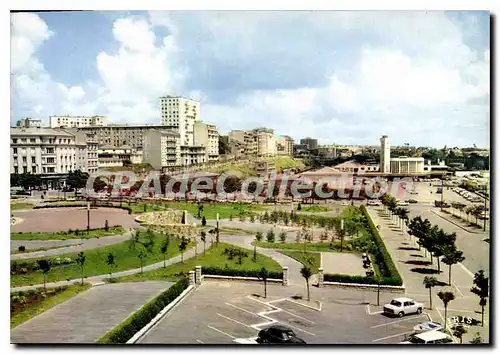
pixel 230 312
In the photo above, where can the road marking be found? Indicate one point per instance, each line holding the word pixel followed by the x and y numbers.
pixel 456 287
pixel 459 310
pixel 404 319
pixel 218 330
pixel 368 311
pixel 466 270
pixel 235 321
pixel 395 335
pixel 310 307
pixel 447 328
pixel 199 341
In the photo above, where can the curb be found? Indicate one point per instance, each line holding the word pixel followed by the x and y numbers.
pixel 389 288
pixel 159 316
pixel 454 223
pixel 225 277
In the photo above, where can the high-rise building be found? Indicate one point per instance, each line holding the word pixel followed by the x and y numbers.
pixel 180 113
pixel 310 143
pixel 29 123
pixel 161 148
pixel 385 155
pixel 206 135
pixel 266 143
pixel 77 121
pixel 284 145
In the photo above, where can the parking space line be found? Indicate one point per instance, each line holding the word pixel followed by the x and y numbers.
pixel 299 329
pixel 389 337
pixel 448 328
pixel 456 287
pixel 256 326
pixel 310 307
pixel 233 320
pixel 279 300
pixel 199 341
pixel 405 319
pixel 218 330
pixel 368 311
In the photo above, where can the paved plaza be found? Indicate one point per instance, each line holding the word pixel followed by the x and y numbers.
pixel 342 263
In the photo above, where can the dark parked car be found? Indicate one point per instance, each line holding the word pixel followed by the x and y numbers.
pixel 412 201
pixel 279 335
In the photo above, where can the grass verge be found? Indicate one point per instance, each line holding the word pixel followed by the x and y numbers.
pixel 309 259
pixel 68 235
pixel 320 247
pixel 33 250
pixel 36 304
pixel 21 206
pixel 315 209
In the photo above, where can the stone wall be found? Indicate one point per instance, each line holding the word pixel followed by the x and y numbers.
pixel 167 217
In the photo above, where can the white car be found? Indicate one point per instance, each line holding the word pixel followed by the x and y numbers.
pixel 402 306
pixel 430 337
pixel 344 203
pixel 403 203
pixel 374 202
pixel 428 326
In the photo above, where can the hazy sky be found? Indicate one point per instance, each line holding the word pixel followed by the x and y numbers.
pixel 343 77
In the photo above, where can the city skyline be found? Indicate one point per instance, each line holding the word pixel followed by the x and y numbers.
pixel 348 78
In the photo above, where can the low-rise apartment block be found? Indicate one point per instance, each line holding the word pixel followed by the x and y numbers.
pixel 77 121
pixel 161 148
pixel 206 135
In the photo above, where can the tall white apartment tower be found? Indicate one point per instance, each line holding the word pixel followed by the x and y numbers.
pixel 180 113
pixel 385 154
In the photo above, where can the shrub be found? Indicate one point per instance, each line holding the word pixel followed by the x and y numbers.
pixel 254 273
pixel 358 279
pixel 282 236
pixel 21 248
pixel 126 330
pixel 57 261
pixel 258 236
pixel 270 236
pixel 252 218
pixel 67 260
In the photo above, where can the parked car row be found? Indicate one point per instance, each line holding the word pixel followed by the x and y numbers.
pixel 471 197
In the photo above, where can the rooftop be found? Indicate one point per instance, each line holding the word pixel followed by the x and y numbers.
pixel 38 131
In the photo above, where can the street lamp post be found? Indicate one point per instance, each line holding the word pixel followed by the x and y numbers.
pixel 217 230
pixel 88 218
pixel 442 194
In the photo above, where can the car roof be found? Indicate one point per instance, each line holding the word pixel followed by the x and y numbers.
pixel 403 299
pixel 432 335
pixel 281 328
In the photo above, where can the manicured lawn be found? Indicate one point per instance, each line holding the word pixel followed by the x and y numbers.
pixel 95 263
pixel 21 206
pixel 315 209
pixel 36 304
pixel 310 259
pixel 66 235
pixel 225 210
pixel 214 257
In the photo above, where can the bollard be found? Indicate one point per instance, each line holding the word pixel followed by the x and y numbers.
pixel 198 275
pixel 320 277
pixel 191 277
pixel 285 276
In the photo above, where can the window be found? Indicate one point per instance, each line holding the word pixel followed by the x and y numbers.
pixel 33 170
pixel 32 140
pixel 14 141
pixel 25 169
pixel 24 158
pixel 14 150
pixel 16 169
pixel 33 159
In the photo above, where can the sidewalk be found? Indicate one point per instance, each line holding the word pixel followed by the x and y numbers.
pixel 412 265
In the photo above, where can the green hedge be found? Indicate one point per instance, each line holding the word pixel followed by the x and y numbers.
pixel 138 320
pixel 389 271
pixel 359 279
pixel 239 272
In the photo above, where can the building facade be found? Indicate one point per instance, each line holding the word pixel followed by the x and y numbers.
pixel 161 148
pixel 110 156
pixel 264 169
pixel 310 143
pixel 29 123
pixel 206 135
pixel 193 155
pixel 407 165
pixel 180 113
pixel 86 151
pixel 43 151
pixel 119 135
pixel 284 146
pixel 77 121
pixel 266 143
pixel 385 155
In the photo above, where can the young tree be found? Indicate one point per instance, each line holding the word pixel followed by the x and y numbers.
pixel 77 179
pixel 459 331
pixel 429 283
pixel 270 236
pixel 446 297
pixel 452 256
pixel 106 225
pixel 204 240
pixel 230 217
pixel 306 272
pixel 164 249
pixel 142 245
pixel 80 260
pixel 282 236
pixel 441 241
pixel 111 263
pixel 200 210
pixel 263 275
pixel 481 289
pixel 258 236
pixel 299 207
pixel 203 221
pixel 44 265
pixel 182 247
